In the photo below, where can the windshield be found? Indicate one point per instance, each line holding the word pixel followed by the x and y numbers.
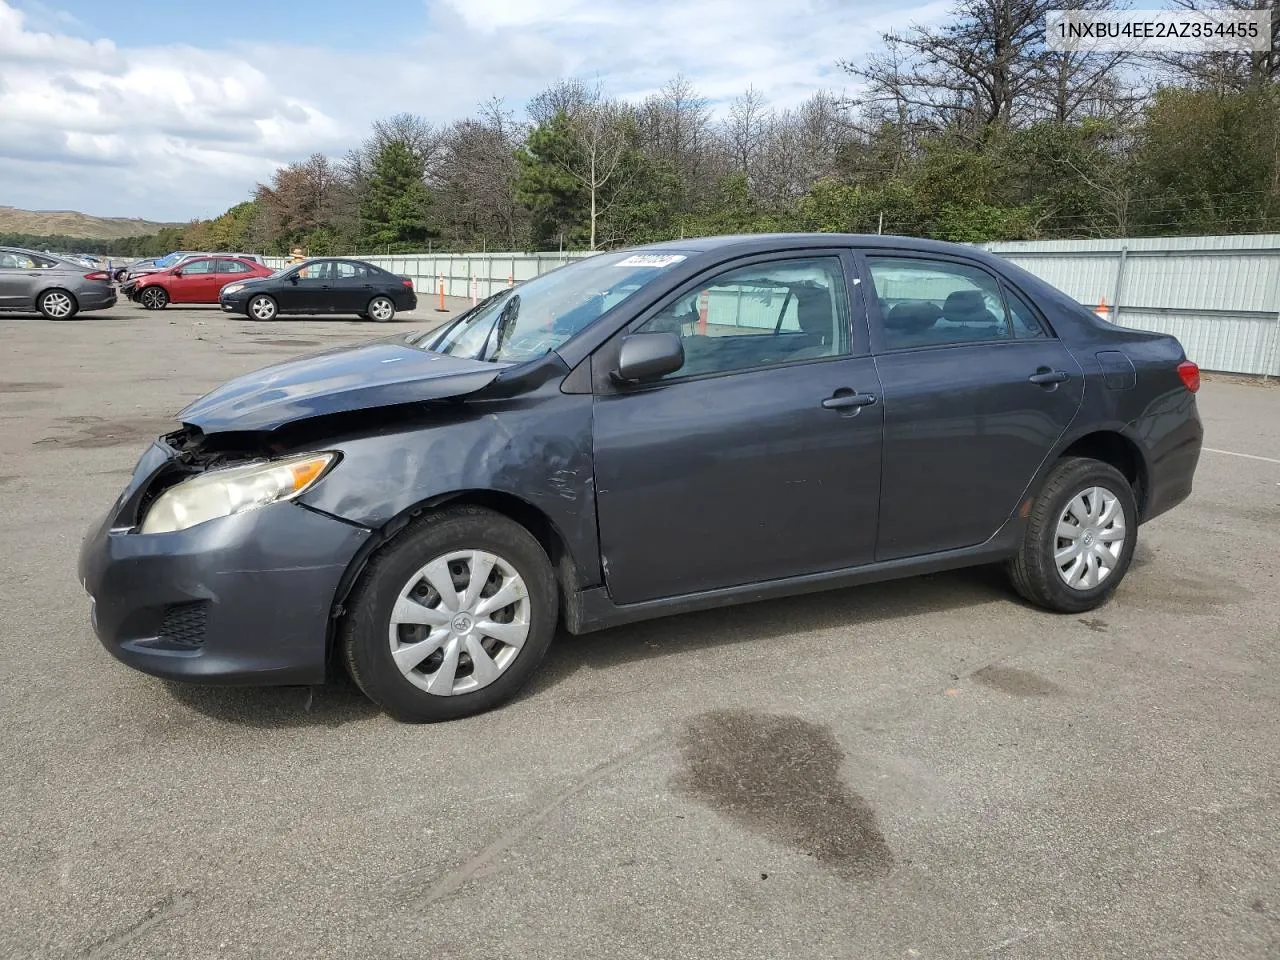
pixel 539 315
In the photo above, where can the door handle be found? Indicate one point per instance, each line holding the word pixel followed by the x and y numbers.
pixel 1045 375
pixel 843 401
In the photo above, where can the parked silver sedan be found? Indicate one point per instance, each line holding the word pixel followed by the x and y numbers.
pixel 58 288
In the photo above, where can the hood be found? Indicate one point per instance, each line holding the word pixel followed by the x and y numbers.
pixel 251 281
pixel 378 374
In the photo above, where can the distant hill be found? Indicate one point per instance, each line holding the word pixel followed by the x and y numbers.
pixel 70 223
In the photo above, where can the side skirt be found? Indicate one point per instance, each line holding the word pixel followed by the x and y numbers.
pixel 595 610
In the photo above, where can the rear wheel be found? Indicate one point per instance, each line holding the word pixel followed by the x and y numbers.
pixel 381 309
pixel 263 307
pixel 1079 539
pixel 57 305
pixel 153 298
pixel 452 617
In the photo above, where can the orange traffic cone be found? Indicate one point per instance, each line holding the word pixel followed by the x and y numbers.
pixel 1103 310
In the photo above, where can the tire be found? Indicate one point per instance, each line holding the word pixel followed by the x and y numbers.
pixel 262 307
pixel 1035 572
pixel 455 542
pixel 381 310
pixel 57 304
pixel 152 298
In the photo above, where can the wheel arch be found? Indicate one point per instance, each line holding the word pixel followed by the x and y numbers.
pixel 513 507
pixel 1114 446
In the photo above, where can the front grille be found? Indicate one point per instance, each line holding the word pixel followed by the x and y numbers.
pixel 184 623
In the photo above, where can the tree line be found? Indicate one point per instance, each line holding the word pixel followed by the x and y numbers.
pixel 968 131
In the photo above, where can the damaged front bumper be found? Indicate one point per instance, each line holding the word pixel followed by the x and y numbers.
pixel 245 599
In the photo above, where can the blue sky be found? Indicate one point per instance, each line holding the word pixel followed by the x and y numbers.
pixel 173 110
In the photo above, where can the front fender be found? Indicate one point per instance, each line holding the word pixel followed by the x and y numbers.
pixel 535 447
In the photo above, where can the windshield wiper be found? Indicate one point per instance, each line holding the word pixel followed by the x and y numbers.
pixel 505 324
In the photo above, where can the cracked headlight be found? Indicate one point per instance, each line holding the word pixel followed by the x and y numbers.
pixel 221 493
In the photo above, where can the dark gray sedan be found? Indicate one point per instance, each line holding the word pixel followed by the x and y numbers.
pixel 646 432
pixel 57 288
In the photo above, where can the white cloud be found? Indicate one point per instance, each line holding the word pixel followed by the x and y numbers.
pixel 174 131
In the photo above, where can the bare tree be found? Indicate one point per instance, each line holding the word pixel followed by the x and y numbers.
pixel 474 179
pixel 674 127
pixel 600 129
pixel 563 97
pixel 743 128
pixel 1226 70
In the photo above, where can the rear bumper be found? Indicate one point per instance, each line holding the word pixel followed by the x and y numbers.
pixel 96 299
pixel 241 600
pixel 1171 469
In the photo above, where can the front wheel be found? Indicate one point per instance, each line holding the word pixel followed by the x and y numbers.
pixel 381 309
pixel 1079 539
pixel 452 617
pixel 263 307
pixel 57 305
pixel 153 298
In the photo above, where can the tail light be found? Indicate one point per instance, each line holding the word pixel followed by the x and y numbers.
pixel 407 282
pixel 1190 375
pixel 99 275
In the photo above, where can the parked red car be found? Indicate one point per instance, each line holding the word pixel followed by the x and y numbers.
pixel 195 281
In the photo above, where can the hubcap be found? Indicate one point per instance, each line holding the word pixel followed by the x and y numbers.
pixel 262 309
pixel 152 298
pixel 459 622
pixel 1090 538
pixel 57 304
pixel 381 310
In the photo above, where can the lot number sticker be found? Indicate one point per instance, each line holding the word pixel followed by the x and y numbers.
pixel 650 260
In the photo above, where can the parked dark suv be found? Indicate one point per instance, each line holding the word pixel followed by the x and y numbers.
pixel 645 432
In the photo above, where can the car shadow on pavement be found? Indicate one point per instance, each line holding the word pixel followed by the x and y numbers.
pixel 339 701
pixel 862 606
pixel 331 704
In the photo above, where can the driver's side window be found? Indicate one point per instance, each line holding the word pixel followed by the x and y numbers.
pixel 314 271
pixel 781 311
pixel 196 267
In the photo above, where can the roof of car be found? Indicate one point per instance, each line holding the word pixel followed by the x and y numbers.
pixel 776 241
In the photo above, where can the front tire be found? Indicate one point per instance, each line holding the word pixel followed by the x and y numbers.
pixel 1079 539
pixel 57 305
pixel 452 617
pixel 153 298
pixel 381 310
pixel 262 307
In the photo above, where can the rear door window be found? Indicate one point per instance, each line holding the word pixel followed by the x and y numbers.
pixel 926 303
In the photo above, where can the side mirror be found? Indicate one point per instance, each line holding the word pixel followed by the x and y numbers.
pixel 294 279
pixel 177 273
pixel 647 356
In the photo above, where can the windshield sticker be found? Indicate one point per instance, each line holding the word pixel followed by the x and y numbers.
pixel 651 260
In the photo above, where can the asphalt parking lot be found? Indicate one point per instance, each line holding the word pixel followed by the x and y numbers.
pixel 925 768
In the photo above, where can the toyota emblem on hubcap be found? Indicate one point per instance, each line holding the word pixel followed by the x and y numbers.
pixel 462 623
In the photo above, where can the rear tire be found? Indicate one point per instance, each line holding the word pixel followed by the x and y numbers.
pixel 262 307
pixel 153 298
pixel 57 305
pixel 1079 539
pixel 381 310
pixel 476 555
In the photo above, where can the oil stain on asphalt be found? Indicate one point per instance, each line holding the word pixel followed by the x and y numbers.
pixel 1018 683
pixel 779 777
